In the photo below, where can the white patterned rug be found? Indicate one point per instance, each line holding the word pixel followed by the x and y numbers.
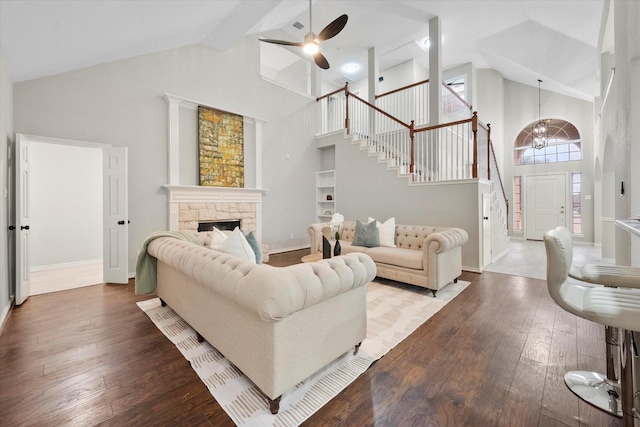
pixel 394 311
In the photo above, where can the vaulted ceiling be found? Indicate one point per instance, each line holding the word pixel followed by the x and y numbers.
pixel 525 40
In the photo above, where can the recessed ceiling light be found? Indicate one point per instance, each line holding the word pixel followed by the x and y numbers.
pixel 351 68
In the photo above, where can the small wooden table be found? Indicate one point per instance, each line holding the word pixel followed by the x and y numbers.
pixel 312 257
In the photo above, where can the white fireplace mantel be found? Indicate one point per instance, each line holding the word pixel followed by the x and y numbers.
pixel 201 193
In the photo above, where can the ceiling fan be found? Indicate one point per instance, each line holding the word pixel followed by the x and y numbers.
pixel 311 43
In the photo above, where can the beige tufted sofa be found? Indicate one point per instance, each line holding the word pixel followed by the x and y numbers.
pixel 425 256
pixel 277 325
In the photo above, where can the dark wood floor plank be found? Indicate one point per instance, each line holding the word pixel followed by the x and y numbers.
pixel 495 355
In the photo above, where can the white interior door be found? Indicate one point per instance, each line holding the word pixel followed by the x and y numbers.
pixel 545 204
pixel 23 249
pixel 116 221
pixel 487 232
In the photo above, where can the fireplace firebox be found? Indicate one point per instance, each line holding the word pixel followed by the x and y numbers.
pixel 222 225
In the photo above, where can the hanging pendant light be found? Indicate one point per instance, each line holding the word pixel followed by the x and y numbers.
pixel 540 132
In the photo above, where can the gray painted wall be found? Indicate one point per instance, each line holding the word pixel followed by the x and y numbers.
pixel 367 188
pixel 121 103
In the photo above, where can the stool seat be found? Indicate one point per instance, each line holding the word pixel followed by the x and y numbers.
pixel 616 307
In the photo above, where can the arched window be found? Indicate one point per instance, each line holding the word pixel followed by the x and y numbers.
pixel 564 144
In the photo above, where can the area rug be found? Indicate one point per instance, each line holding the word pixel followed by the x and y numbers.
pixel 394 311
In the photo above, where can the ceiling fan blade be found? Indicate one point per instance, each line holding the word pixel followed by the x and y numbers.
pixel 333 28
pixel 321 61
pixel 282 42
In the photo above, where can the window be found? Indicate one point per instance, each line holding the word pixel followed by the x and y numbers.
pixel 564 145
pixel 576 193
pixel 286 68
pixel 450 102
pixel 517 203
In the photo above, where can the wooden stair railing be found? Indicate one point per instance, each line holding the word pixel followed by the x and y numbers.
pixel 462 132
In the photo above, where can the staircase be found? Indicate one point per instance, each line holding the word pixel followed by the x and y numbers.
pixel 455 151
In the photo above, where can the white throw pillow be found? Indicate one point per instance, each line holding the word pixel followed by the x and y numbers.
pixel 237 245
pixel 387 232
pixel 217 238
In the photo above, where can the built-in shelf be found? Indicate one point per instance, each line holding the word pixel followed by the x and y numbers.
pixel 325 194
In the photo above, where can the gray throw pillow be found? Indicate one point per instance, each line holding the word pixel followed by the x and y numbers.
pixel 366 235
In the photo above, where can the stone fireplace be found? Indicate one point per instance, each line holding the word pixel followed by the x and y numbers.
pixel 190 205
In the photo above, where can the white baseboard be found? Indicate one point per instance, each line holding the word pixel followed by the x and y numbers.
pixel 471 269
pixel 5 314
pixel 65 265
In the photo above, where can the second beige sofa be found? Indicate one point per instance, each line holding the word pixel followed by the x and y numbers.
pixel 426 256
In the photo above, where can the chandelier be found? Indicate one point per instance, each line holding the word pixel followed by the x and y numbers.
pixel 540 131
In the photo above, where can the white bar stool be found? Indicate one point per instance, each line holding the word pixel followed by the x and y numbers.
pixel 614 307
pixel 593 387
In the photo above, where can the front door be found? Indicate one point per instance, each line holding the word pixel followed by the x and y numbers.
pixel 545 197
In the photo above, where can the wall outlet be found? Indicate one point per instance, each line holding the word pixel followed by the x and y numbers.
pixel 291 235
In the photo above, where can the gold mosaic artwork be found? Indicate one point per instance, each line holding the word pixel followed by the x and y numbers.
pixel 220 145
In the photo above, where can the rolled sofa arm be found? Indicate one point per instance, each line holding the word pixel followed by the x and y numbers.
pixel 315 236
pixel 273 293
pixel 444 240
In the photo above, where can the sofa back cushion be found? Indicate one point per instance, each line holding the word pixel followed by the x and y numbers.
pixel 407 236
pixel 412 236
pixel 348 230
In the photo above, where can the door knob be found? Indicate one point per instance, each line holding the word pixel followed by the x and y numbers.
pixel 120 222
pixel 12 227
pixel 24 227
pixel 486 217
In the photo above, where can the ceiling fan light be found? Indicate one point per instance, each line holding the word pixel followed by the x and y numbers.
pixel 311 48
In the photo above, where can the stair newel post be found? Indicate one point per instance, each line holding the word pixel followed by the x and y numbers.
pixel 474 128
pixel 413 147
pixel 346 116
pixel 489 151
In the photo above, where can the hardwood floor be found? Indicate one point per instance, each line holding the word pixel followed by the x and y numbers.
pixel 494 356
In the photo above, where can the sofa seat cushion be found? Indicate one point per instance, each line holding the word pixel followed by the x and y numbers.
pixel 348 248
pixel 401 257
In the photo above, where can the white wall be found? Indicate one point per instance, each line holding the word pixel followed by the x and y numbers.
pixel 66 204
pixel 520 109
pixel 619 123
pixel 121 103
pixel 490 107
pixel 6 141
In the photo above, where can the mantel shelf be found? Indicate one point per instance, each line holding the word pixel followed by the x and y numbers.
pixel 201 193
